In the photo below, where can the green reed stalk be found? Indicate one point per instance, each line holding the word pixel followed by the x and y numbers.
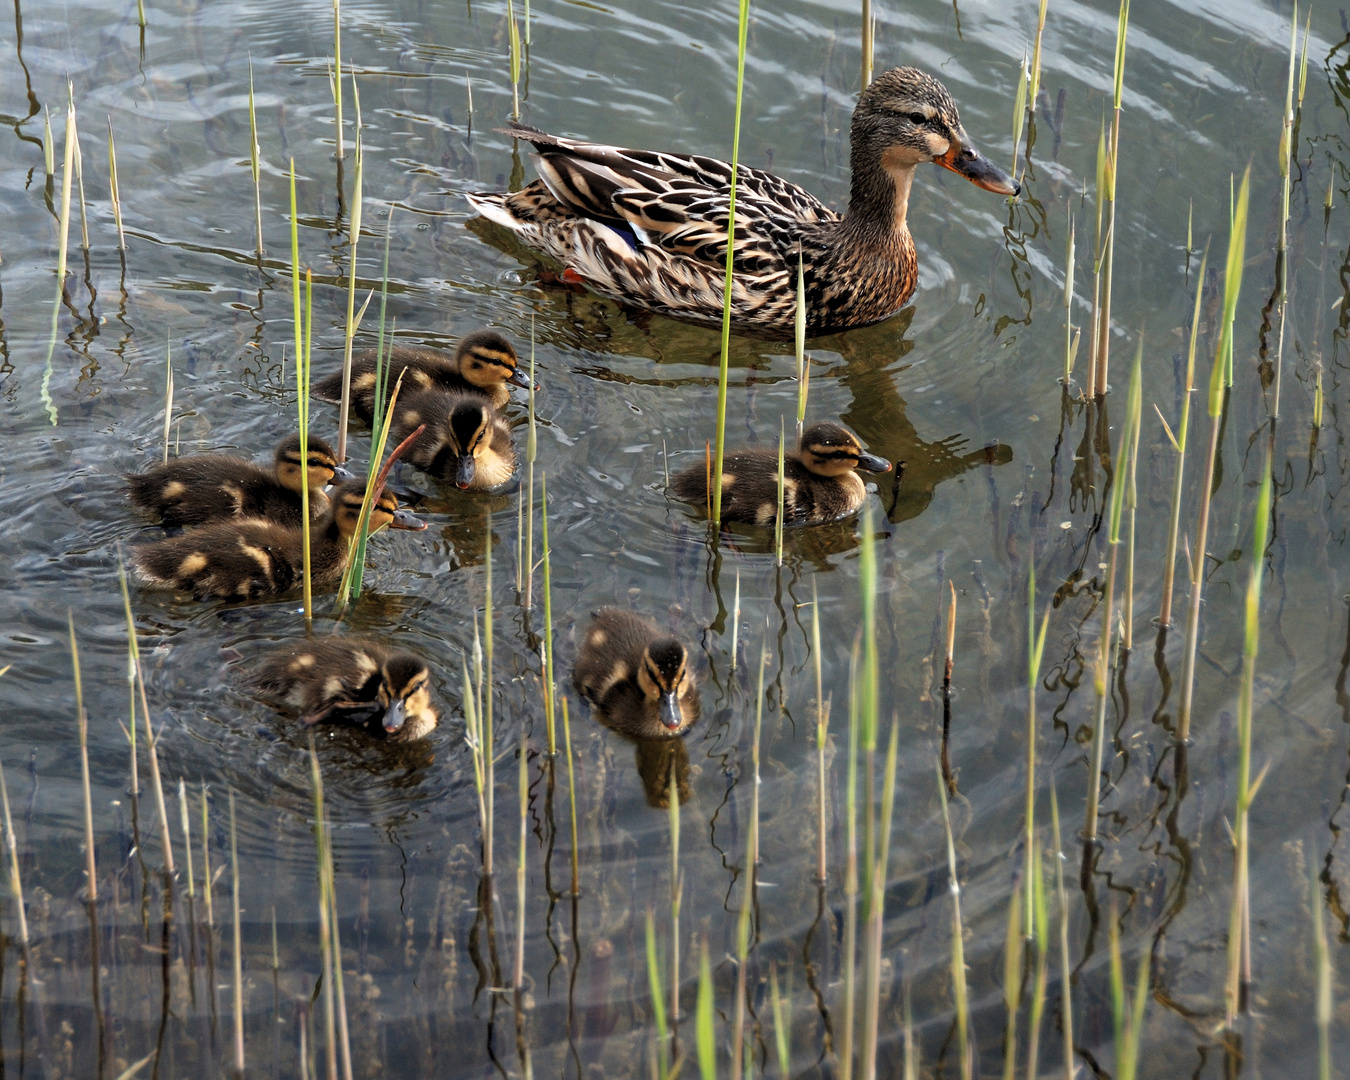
pixel 183 820
pixel 531 453
pixel 676 893
pixel 337 81
pixel 1239 924
pixel 82 724
pixel 778 520
pixel 254 157
pixel 1019 111
pixel 302 387
pixel 1128 1015
pixel 473 735
pixel 851 865
pixel 140 18
pixel 514 32
pixel 658 998
pixel 868 42
pixel 1070 341
pixel 877 910
pixel 748 894
pixel 551 688
pixel 1098 255
pixel 705 1037
pixel 1062 900
pixel 1035 650
pixel 1131 506
pixel 12 847
pixel 1103 351
pixel 151 742
pixel 1237 244
pixel 723 371
pixel 168 394
pixel 1012 978
pixel 782 1020
pixel 911 1049
pixel 130 730
pixel 1282 244
pixel 238 950
pixel 1036 59
pixel 799 342
pixel 115 193
pixel 1322 962
pixel 735 624
pixel 485 692
pixel 822 736
pixel 1101 671
pixel 1179 444
pixel 572 796
pixel 208 887
pixel 353 237
pixel 48 144
pixel 325 914
pixel 1041 939
pixel 958 944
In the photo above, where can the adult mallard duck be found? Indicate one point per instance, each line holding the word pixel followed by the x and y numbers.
pixel 819 481
pixel 650 229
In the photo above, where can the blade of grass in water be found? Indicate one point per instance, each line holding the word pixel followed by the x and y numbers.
pixel 1035 88
pixel 1012 979
pixel 1070 340
pixel 238 948
pixel 550 685
pixel 514 33
pixel 1282 244
pixel 82 724
pixel 1035 650
pixel 531 453
pixel 1041 941
pixel 1237 243
pixel 321 840
pixel 723 370
pixel 822 736
pixel 676 892
pixel 1103 351
pixel 12 849
pixel 63 239
pixel 79 183
pixel 748 876
pixel 353 238
pixel 782 1020
pixel 1062 901
pixel 1131 507
pixel 1179 443
pixel 1239 927
pixel 301 389
pixel 1322 973
pixel 1128 1014
pixel 851 864
pixel 1019 111
pixel 959 991
pixel 778 520
pixel 703 1019
pixel 168 394
pixel 658 997
pixel 877 910
pixel 337 81
pixel 255 158
pixel 571 796
pixel 518 978
pixel 799 341
pixel 48 144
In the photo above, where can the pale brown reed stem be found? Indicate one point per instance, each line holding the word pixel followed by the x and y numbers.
pixel 91 870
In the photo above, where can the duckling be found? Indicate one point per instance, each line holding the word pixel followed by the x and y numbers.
pixel 637 678
pixel 351 680
pixel 254 557
pixel 212 487
pixel 819 483
pixel 483 363
pixel 650 228
pixel 466 442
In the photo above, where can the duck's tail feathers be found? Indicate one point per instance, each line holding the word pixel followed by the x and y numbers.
pixel 492 205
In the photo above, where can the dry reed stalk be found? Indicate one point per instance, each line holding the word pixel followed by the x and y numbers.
pixel 115 193
pixel 1019 111
pixel 337 82
pixel 82 722
pixel 531 452
pixel 723 371
pixel 735 626
pixel 518 975
pixel 948 776
pixel 743 919
pixel 1322 973
pixel 1282 244
pixel 1070 342
pixel 851 865
pixel 551 686
pixel 1239 921
pixel 63 240
pixel 1131 507
pixel 79 180
pixel 513 32
pixel 1103 328
pixel 868 42
pixel 1179 444
pixel 238 949
pixel 1035 88
pixel 207 883
pixel 168 394
pixel 12 847
pixel 1237 243
pixel 485 699
pixel 822 736
pixel 572 796
pixel 1035 650
pixel 48 144
pixel 255 158
pixel 353 237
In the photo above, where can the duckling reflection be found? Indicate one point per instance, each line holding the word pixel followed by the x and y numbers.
pixel 353 681
pixel 636 677
pixel 658 762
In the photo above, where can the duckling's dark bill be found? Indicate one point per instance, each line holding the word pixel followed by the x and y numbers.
pixel 517 378
pixel 669 710
pixel 340 474
pixel 979 170
pixel 872 463
pixel 405 520
pixel 394 716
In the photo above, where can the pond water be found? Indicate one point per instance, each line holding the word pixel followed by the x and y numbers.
pixel 1001 468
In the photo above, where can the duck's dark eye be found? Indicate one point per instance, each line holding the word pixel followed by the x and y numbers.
pixel 917 119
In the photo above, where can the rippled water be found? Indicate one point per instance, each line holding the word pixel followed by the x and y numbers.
pixel 961 387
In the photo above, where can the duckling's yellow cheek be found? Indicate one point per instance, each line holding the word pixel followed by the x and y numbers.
pixel 597 638
pixel 173 490
pixel 193 564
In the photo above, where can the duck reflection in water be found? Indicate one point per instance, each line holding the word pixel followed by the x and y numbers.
pixel 659 762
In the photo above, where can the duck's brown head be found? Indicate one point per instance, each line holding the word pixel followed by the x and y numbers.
pixel 665 679
pixel 405 694
pixel 906 117
pixel 486 359
pixel 315 469
pixel 346 502
pixel 832 450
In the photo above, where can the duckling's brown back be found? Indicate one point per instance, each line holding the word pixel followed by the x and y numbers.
pixel 207 487
pixel 422 369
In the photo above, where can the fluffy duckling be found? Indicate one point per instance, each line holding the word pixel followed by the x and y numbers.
pixel 352 680
pixel 637 678
pixel 212 487
pixel 240 559
pixel 466 442
pixel 819 482
pixel 483 363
